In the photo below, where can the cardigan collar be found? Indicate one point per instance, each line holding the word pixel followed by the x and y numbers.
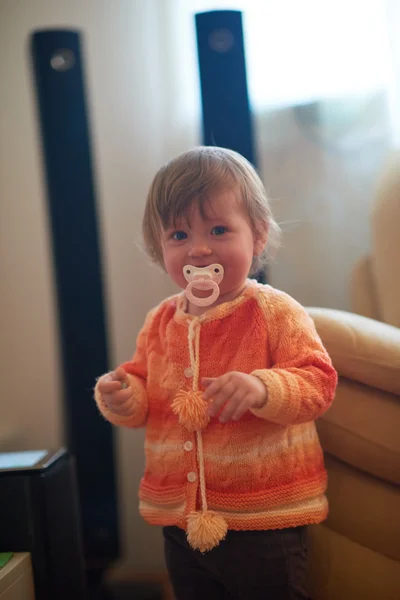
pixel 217 312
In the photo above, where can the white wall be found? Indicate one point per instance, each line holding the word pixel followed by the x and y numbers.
pixel 128 123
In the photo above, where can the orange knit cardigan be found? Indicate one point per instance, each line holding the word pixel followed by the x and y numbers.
pixel 265 471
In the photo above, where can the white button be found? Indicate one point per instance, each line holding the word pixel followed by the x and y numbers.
pixel 192 477
pixel 188 373
pixel 188 446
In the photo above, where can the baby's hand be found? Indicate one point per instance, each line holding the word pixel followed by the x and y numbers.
pixel 116 392
pixel 239 393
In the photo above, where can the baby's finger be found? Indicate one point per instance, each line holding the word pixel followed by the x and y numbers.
pixel 120 374
pixel 214 387
pixel 207 381
pixel 231 406
pixel 220 398
pixel 107 386
pixel 122 396
pixel 119 402
pixel 241 409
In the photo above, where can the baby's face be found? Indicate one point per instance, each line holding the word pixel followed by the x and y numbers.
pixel 223 236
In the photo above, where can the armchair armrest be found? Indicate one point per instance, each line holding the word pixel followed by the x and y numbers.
pixel 361 349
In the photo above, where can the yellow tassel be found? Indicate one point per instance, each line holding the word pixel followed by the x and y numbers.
pixel 191 409
pixel 205 530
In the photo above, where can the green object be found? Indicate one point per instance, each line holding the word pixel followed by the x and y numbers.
pixel 4 558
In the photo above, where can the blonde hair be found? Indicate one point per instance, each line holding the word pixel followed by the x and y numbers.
pixel 190 178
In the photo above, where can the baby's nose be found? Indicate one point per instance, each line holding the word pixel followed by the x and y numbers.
pixel 200 250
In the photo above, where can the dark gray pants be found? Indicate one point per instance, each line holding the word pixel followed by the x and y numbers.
pixel 247 565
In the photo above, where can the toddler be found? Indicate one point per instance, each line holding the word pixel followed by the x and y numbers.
pixel 228 378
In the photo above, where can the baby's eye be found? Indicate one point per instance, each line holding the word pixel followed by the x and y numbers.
pixel 218 230
pixel 179 236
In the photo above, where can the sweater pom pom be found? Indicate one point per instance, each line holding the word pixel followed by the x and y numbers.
pixel 191 409
pixel 205 530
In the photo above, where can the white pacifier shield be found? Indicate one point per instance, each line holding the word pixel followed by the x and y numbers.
pixel 203 278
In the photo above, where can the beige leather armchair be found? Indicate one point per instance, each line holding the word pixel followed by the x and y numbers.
pixel 355 554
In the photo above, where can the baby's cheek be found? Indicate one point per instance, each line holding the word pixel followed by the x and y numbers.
pixel 176 274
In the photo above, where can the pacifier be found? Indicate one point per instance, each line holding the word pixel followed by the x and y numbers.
pixel 203 278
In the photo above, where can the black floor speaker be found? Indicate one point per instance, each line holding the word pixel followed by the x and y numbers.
pixel 227 120
pixel 226 113
pixel 67 161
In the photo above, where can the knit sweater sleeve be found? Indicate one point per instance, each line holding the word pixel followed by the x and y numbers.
pixel 301 382
pixel 136 370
